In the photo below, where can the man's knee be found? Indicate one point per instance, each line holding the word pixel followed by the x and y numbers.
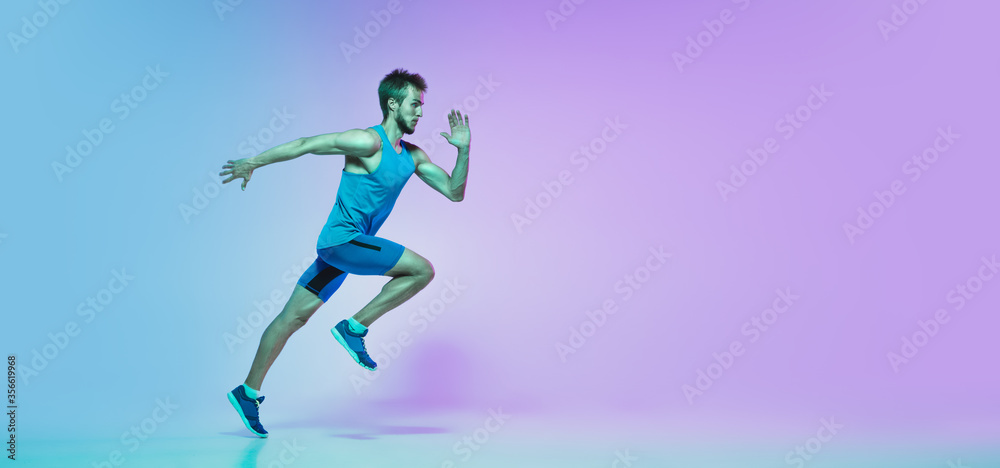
pixel 300 308
pixel 291 319
pixel 412 264
pixel 428 271
pixel 299 318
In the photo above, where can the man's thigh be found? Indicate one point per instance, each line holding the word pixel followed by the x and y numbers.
pixel 321 279
pixel 304 302
pixel 363 255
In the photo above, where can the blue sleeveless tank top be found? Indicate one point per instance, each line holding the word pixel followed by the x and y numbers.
pixel 364 201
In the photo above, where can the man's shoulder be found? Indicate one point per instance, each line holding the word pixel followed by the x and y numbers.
pixel 414 149
pixel 418 155
pixel 373 132
pixel 376 139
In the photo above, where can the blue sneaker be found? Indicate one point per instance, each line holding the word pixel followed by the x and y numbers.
pixel 353 343
pixel 247 407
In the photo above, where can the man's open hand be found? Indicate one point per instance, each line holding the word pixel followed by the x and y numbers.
pixel 460 135
pixel 240 168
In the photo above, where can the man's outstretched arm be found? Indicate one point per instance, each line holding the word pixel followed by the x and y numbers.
pixel 355 142
pixel 452 186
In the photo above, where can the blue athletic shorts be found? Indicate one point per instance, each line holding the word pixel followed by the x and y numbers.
pixel 363 255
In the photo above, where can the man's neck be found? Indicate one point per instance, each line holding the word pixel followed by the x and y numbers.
pixel 392 131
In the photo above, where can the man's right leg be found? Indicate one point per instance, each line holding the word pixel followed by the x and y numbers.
pixel 409 276
pixel 370 255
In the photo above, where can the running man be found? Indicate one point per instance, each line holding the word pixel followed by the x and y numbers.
pixel 377 164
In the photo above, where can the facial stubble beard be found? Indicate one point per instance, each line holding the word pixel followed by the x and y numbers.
pixel 404 125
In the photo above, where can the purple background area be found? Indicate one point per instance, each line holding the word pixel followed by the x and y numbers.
pixel 654 185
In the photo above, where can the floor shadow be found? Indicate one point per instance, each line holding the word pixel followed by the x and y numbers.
pixel 374 432
pixel 356 425
pixel 244 434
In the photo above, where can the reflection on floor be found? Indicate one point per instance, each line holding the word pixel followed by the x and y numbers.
pixel 486 439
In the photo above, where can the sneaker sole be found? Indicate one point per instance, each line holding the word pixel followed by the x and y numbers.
pixel 236 404
pixel 354 355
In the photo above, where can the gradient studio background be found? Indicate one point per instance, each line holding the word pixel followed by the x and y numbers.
pixel 201 265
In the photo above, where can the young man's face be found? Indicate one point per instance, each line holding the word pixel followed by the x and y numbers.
pixel 410 111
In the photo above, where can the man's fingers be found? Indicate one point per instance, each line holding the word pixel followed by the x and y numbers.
pixel 228 180
pixel 245 184
pixel 226 172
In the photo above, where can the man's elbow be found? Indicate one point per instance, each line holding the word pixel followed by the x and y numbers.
pixel 460 193
pixel 457 196
pixel 302 146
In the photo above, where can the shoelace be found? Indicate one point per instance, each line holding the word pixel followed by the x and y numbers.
pixel 360 338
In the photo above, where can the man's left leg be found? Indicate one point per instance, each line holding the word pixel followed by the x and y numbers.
pixel 313 289
pixel 302 305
